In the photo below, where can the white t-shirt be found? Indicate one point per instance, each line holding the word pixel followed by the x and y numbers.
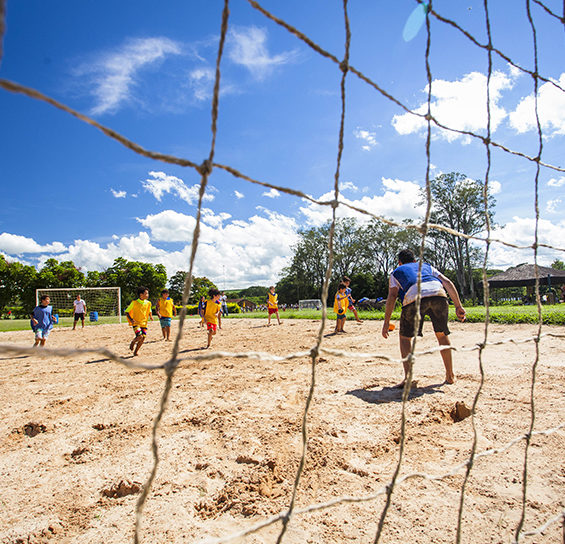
pixel 80 306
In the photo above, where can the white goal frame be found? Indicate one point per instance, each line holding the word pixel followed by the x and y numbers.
pixel 88 294
pixel 310 304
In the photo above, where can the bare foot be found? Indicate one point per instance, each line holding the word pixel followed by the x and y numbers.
pixel 131 345
pixel 450 380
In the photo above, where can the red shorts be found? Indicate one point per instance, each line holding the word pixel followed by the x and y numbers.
pixel 273 310
pixel 212 327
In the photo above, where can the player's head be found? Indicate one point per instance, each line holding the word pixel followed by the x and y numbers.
pixel 45 300
pixel 213 293
pixel 142 292
pixel 406 256
pixel 164 293
pixel 78 297
pixel 341 286
pixel 345 280
pixel 272 288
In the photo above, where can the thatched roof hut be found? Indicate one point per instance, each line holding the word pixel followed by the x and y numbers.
pixel 525 275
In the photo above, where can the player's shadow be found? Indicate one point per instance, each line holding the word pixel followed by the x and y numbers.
pixel 12 358
pixel 394 394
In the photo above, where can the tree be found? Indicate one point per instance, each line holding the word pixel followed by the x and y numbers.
pixel 558 265
pixel 200 287
pixel 458 203
pixel 17 284
pixel 176 285
pixel 55 274
pixel 129 275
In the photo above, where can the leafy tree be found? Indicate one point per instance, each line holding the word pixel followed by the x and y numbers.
pixel 55 274
pixel 176 285
pixel 200 287
pixel 558 265
pixel 458 203
pixel 254 291
pixel 17 284
pixel 129 275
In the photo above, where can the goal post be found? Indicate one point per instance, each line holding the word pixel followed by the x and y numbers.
pixel 103 304
pixel 310 304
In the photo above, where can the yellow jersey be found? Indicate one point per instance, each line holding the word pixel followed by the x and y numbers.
pixel 139 311
pixel 340 303
pixel 211 313
pixel 166 307
pixel 272 300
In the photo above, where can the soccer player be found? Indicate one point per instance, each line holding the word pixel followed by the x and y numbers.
pixel 350 299
pixel 403 283
pixel 42 320
pixel 212 313
pixel 165 311
pixel 79 311
pixel 273 304
pixel 137 313
pixel 340 307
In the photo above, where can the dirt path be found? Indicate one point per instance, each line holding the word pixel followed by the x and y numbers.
pixel 75 438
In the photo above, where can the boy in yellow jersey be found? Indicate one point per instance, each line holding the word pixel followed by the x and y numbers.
pixel 138 312
pixel 340 307
pixel 165 310
pixel 273 304
pixel 212 313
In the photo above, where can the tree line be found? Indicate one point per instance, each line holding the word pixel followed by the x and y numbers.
pixel 367 252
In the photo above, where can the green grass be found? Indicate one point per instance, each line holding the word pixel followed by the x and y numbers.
pixel 551 315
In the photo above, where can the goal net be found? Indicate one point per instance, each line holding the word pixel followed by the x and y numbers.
pixel 310 304
pixel 103 304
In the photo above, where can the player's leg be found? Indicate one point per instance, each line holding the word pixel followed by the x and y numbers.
pixel 75 316
pixel 278 318
pixel 439 314
pixel 446 356
pixel 82 319
pixel 405 335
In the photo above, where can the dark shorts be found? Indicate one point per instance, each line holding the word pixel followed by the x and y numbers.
pixel 272 310
pixel 437 308
pixel 339 317
pixel 79 316
pixel 165 322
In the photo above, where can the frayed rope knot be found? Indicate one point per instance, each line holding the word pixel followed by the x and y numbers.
pixel 205 169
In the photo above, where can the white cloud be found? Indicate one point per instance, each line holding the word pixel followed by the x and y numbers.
pixel 169 226
pixel 238 195
pixel 14 244
pixel 554 206
pixel 118 194
pixel 272 193
pixel 399 200
pixel 160 183
pixel 368 138
pixel 115 74
pixel 460 105
pixel 201 82
pixel 551 110
pixel 554 182
pixel 495 187
pixel 520 231
pixel 247 46
pixel 348 186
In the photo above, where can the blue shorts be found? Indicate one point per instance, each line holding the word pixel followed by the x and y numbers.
pixel 42 333
pixel 165 322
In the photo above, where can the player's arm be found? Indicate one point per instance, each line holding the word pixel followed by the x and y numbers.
pixel 174 308
pixel 129 318
pixel 151 313
pixel 158 309
pixel 219 314
pixel 452 292
pixel 389 308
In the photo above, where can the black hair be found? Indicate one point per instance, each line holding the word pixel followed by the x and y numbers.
pixel 164 291
pixel 43 297
pixel 213 292
pixel 406 256
pixel 345 278
pixel 141 290
pixel 341 286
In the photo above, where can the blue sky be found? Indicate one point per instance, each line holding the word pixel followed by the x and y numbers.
pixel 146 71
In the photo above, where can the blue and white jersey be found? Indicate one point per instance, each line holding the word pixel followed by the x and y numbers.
pixel 43 314
pixel 405 277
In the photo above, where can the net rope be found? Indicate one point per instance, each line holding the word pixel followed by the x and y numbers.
pixel 205 170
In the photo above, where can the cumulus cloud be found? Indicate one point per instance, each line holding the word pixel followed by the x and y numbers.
pixel 238 195
pixel 272 193
pixel 348 186
pixel 118 194
pixel 202 81
pixel 247 47
pixel 400 200
pixel 460 104
pixel 551 110
pixel 160 183
pixel 520 231
pixel 115 73
pixel 14 244
pixel 554 182
pixel 368 138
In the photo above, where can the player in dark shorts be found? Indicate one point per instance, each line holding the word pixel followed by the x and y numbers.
pixel 434 288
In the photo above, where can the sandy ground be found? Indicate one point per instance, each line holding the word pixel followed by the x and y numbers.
pixel 74 428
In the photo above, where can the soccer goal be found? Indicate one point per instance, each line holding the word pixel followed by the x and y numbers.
pixel 310 304
pixel 103 304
